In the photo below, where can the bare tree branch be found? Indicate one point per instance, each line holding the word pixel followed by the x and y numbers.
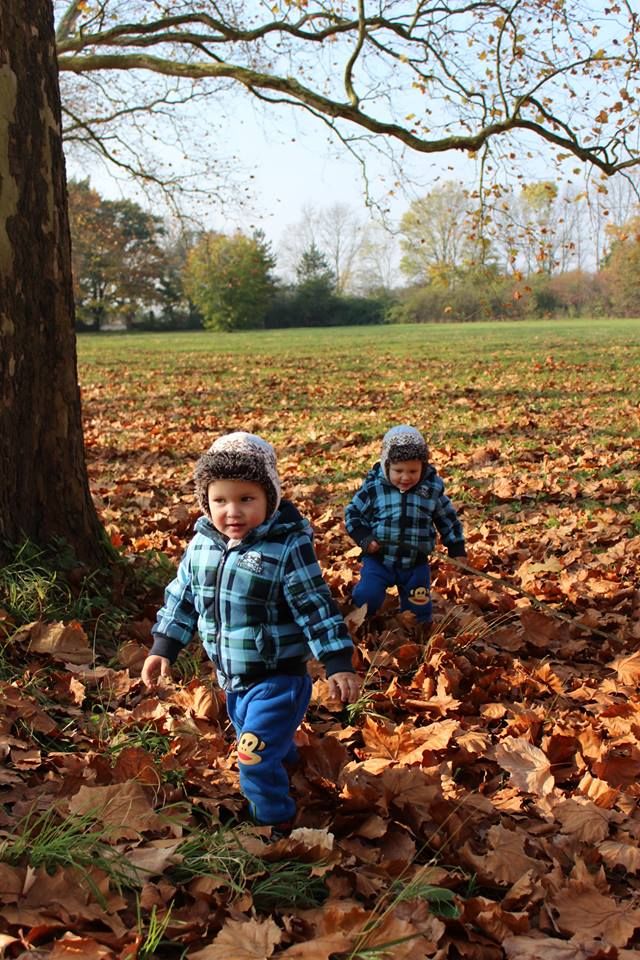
pixel 443 75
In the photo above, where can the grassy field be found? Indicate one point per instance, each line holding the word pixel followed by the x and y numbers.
pixel 557 398
pixel 480 801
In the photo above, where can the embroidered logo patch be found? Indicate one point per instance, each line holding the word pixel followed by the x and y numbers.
pixel 418 596
pixel 251 561
pixel 424 492
pixel 249 747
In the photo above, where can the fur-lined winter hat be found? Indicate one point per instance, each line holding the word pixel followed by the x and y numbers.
pixel 239 456
pixel 402 443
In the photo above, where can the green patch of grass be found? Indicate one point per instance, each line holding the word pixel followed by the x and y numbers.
pixel 188 666
pixel 151 931
pixel 77 842
pixel 218 853
pixel 635 523
pixel 9 669
pixel 47 583
pixel 146 737
pixel 441 899
pixel 31 586
pixel 289 884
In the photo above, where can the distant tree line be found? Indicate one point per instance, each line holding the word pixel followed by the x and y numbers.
pixel 461 257
pixel 130 272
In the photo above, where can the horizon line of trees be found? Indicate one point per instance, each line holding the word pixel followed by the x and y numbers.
pixel 520 257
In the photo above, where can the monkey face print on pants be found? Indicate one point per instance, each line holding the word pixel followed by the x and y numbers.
pixel 419 596
pixel 249 748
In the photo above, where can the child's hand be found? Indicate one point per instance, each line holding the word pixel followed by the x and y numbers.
pixel 345 686
pixel 374 547
pixel 153 667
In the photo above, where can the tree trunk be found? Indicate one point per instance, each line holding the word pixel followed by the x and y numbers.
pixel 44 488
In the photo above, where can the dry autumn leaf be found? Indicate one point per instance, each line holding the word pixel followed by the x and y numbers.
pixel 66 642
pixel 124 809
pixel 586 911
pixel 583 819
pixel 243 940
pixel 528 766
pixel 619 854
pixel 506 859
pixel 628 669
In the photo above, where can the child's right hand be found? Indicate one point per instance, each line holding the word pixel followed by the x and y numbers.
pixel 153 667
pixel 374 547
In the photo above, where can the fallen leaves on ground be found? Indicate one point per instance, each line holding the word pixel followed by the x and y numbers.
pixel 498 761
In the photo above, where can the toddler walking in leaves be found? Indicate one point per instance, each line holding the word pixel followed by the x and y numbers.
pixel 250 584
pixel 394 517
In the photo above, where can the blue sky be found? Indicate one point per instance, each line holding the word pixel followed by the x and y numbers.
pixel 288 160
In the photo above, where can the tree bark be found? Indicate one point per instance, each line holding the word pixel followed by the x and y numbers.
pixel 44 488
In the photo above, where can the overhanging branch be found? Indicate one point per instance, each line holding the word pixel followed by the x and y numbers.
pixel 303 95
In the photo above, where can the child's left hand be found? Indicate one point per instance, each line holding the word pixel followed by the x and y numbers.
pixel 345 686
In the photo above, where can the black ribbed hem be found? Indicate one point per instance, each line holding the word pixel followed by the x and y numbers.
pixel 361 533
pixel 457 549
pixel 165 647
pixel 339 662
pixel 292 667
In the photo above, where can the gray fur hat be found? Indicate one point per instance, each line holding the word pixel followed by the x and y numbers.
pixel 239 456
pixel 402 443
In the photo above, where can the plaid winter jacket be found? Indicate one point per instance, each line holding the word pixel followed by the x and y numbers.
pixel 404 524
pixel 260 607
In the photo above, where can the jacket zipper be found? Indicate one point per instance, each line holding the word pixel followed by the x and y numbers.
pixel 218 612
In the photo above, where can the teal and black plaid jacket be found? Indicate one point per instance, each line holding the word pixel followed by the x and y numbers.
pixel 404 524
pixel 260 607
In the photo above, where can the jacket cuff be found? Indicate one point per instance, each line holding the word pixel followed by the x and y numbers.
pixel 364 543
pixel 165 647
pixel 360 532
pixel 339 662
pixel 457 549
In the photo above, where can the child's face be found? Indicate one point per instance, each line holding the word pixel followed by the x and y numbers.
pixel 405 474
pixel 236 506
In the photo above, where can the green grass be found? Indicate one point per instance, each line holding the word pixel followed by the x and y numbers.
pixel 77 842
pixel 218 853
pixel 471 379
pixel 507 341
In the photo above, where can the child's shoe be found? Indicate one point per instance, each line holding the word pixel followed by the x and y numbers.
pixel 279 831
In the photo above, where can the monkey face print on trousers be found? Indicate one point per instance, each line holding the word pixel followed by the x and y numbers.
pixel 266 717
pixel 249 747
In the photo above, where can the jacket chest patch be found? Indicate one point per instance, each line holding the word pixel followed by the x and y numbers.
pixel 424 492
pixel 252 561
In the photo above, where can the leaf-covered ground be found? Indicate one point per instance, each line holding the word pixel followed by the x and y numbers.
pixel 481 800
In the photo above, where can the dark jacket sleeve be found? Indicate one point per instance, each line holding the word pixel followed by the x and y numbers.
pixel 449 527
pixel 314 609
pixel 358 518
pixel 177 619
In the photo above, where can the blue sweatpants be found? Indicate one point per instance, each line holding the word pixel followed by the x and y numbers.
pixel 266 717
pixel 413 585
